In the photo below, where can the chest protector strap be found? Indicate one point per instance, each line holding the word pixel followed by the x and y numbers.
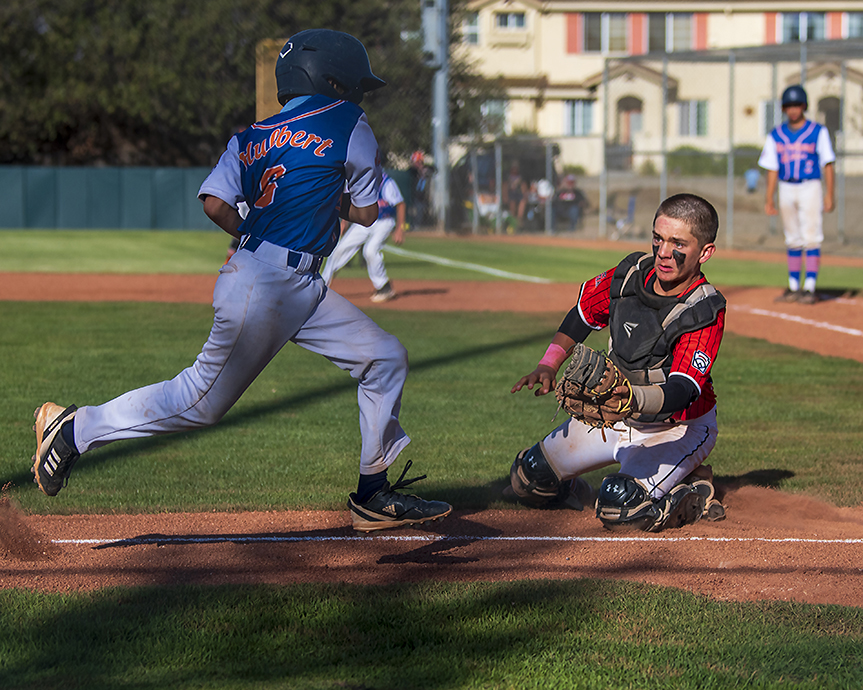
pixel 645 326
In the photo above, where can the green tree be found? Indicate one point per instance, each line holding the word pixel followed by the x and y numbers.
pixel 166 82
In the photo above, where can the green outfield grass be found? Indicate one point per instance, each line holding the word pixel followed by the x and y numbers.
pixel 153 251
pixel 788 418
pixel 777 407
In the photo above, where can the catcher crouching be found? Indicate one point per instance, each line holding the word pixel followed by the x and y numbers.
pixel 648 404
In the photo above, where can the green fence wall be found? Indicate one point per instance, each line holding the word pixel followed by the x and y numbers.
pixel 79 197
pixel 114 198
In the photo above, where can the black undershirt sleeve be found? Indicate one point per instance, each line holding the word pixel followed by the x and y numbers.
pixel 574 326
pixel 680 393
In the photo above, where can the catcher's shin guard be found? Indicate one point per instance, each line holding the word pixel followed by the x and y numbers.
pixel 624 503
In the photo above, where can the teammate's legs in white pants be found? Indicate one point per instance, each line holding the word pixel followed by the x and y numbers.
pixel 348 245
pixel 811 210
pixel 373 251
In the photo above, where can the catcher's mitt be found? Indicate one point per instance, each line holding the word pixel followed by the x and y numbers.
pixel 587 389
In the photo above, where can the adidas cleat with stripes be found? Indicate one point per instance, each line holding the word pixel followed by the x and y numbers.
pixel 54 458
pixel 388 509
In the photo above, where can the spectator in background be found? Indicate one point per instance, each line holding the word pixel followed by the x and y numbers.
pixel 570 202
pixel 515 194
pixel 420 180
pixel 752 176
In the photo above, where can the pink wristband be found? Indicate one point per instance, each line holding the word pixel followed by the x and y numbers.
pixel 554 356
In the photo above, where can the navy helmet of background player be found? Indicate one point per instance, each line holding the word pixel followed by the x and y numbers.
pixel 794 155
pixel 299 172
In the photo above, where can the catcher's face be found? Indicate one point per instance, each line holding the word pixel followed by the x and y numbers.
pixel 677 255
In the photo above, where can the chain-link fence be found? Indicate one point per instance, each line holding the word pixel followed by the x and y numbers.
pixel 670 123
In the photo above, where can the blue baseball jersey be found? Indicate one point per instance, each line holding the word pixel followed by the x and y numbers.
pixel 291 169
pixel 390 196
pixel 799 154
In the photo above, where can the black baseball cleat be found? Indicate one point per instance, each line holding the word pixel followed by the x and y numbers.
pixel 388 509
pixel 54 458
pixel 789 296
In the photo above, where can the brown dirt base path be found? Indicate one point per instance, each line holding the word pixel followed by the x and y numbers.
pixel 771 546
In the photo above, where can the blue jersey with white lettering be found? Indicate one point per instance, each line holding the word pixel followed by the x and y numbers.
pixel 797 151
pixel 292 168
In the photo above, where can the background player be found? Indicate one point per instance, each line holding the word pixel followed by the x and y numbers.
pixel 292 169
pixel 794 154
pixel 391 220
pixel 665 323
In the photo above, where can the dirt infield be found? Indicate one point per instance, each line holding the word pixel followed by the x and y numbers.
pixel 811 552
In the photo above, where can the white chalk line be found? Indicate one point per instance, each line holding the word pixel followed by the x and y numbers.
pixel 239 538
pixel 799 319
pixel 468 266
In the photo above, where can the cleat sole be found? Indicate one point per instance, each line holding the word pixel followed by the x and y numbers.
pixel 366 526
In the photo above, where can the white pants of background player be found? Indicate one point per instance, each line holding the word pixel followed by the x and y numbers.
pixel 801 206
pixel 371 239
pixel 660 455
pixel 260 305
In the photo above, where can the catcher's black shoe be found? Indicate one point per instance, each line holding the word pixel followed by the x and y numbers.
pixel 388 509
pixel 54 458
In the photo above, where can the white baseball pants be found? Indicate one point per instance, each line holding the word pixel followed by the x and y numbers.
pixel 660 455
pixel 371 239
pixel 801 206
pixel 260 305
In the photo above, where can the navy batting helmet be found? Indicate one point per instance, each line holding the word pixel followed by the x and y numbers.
pixel 794 95
pixel 311 59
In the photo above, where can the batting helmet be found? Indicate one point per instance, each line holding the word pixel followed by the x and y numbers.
pixel 311 59
pixel 794 95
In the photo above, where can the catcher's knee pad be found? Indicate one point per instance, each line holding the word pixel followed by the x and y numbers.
pixel 533 480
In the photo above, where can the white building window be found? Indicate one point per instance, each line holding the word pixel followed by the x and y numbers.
pixel 669 32
pixel 578 118
pixel 510 21
pixel 494 117
pixel 470 29
pixel 854 25
pixel 693 118
pixel 798 27
pixel 605 33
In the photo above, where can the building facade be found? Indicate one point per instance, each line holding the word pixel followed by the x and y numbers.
pixel 646 77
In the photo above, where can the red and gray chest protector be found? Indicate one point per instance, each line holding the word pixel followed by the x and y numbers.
pixel 644 326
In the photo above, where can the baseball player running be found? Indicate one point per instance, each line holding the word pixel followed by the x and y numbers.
pixel 391 220
pixel 665 323
pixel 794 154
pixel 298 171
